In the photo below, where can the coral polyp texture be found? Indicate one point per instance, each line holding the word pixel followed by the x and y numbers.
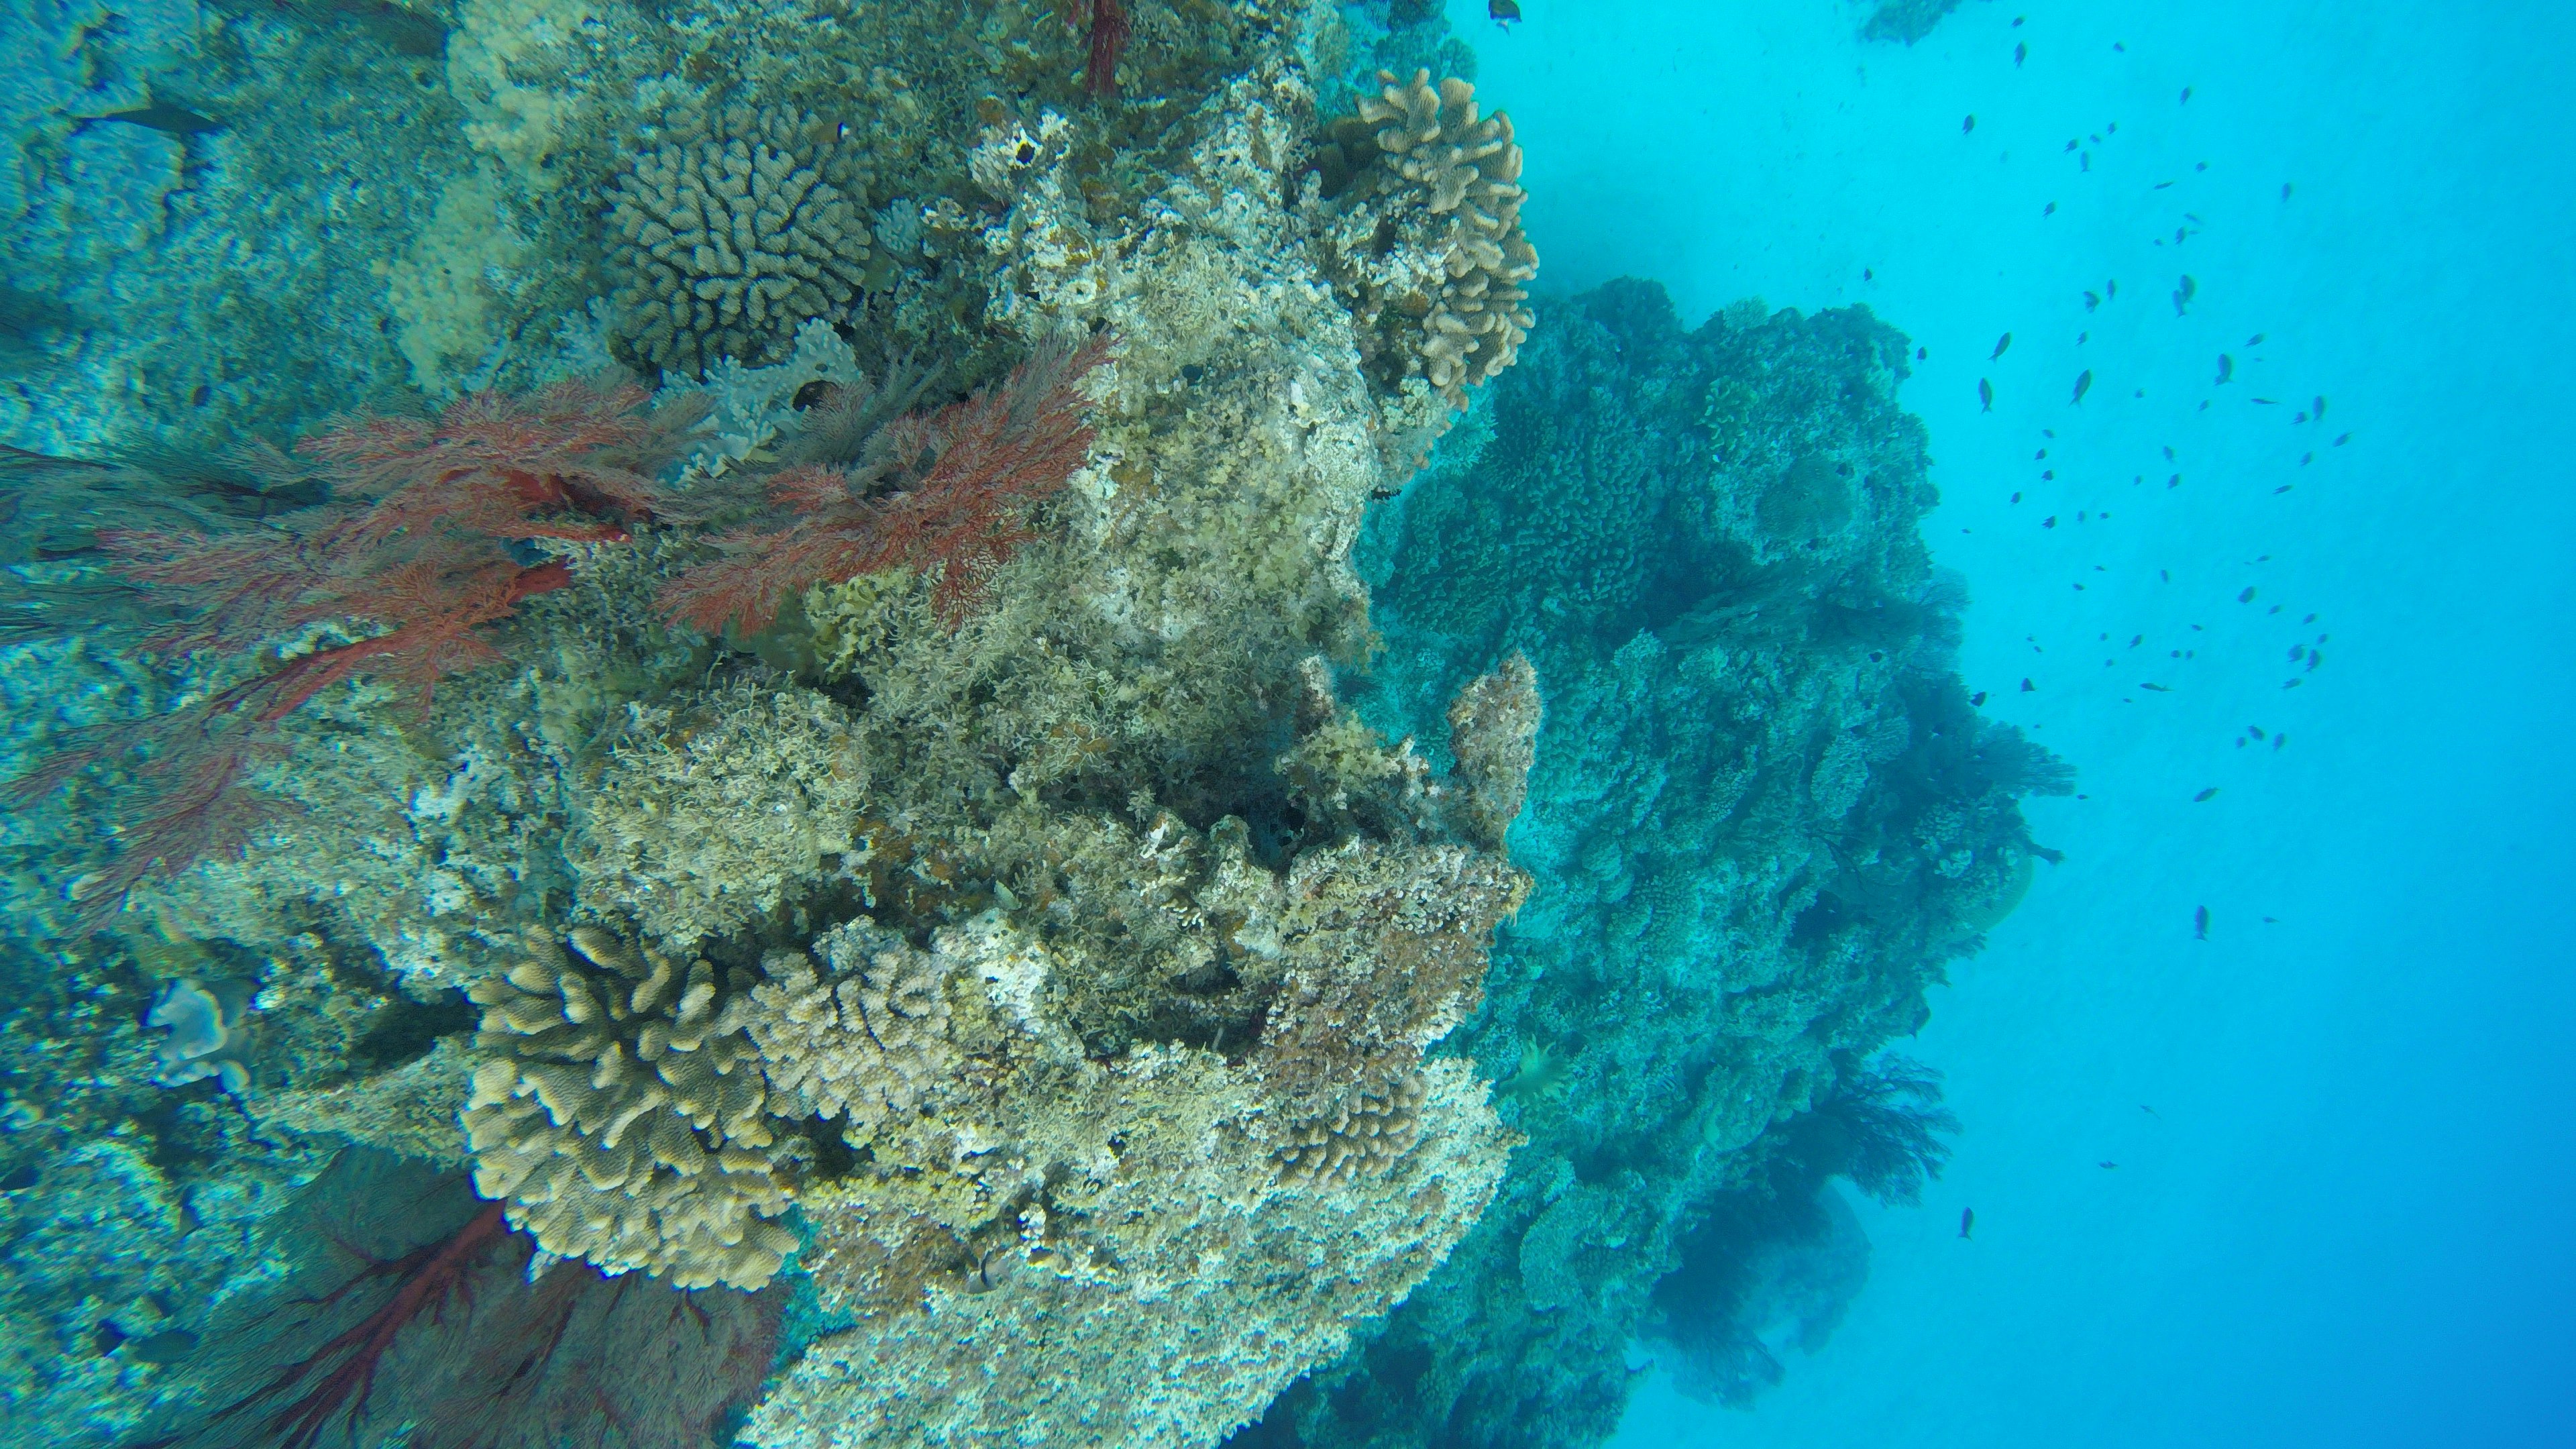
pixel 1429 241
pixel 863 1038
pixel 621 1112
pixel 732 234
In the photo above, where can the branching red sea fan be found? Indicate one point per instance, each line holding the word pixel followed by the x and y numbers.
pixel 1105 28
pixel 414 547
pixel 438 1335
pixel 949 490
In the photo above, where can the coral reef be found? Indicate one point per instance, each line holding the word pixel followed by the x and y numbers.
pixel 1905 20
pixel 621 1112
pixel 1763 816
pixel 887 800
pixel 1428 243
pixel 734 233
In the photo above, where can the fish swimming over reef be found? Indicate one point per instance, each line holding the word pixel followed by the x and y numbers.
pixel 2083 384
pixel 2000 344
pixel 1967 1221
pixel 2200 923
pixel 1985 396
pixel 1503 13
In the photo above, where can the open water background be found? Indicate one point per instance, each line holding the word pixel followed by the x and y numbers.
pixel 2347 1220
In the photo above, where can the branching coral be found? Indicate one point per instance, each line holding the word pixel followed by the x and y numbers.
pixel 730 238
pixel 1429 238
pixel 946 490
pixel 866 1040
pixel 622 1112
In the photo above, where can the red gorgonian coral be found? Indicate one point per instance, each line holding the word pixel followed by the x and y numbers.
pixel 1105 31
pixel 948 490
pixel 420 544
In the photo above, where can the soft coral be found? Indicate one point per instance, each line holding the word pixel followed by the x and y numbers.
pixel 451 1343
pixel 948 489
pixel 422 543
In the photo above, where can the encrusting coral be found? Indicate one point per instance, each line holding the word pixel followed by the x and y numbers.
pixel 622 1112
pixel 1429 242
pixel 731 235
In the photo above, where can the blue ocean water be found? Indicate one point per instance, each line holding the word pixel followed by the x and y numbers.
pixel 2338 1214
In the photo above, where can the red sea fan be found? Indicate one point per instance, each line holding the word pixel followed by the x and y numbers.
pixel 447 1344
pixel 417 550
pixel 1105 28
pixel 948 490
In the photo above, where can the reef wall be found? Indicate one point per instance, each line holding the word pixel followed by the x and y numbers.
pixel 1764 814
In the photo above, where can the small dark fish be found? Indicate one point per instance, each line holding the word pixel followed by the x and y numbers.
pixel 1967 1221
pixel 1968 125
pixel 2020 54
pixel 2200 923
pixel 2186 97
pixel 2158 688
pixel 2108 1166
pixel 2000 344
pixel 1977 699
pixel 2092 300
pixel 2269 402
pixel 2083 384
pixel 2049 210
pixel 2029 688
pixel 2152 1112
pixel 2183 294
pixel 2111 289
pixel 2226 368
pixel 1503 13
pixel 2285 191
pixel 2205 795
pixel 2159 186
pixel 2246 597
pixel 1867 275
pixel 160 116
pixel 2317 410
pixel 1985 396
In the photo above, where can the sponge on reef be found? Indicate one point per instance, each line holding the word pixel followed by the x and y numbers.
pixel 621 1112
pixel 730 237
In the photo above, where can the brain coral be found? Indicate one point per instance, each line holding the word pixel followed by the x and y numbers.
pixel 1429 239
pixel 727 237
pixel 621 1112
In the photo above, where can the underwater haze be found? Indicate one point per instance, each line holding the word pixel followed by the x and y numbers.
pixel 1286 724
pixel 2344 1220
